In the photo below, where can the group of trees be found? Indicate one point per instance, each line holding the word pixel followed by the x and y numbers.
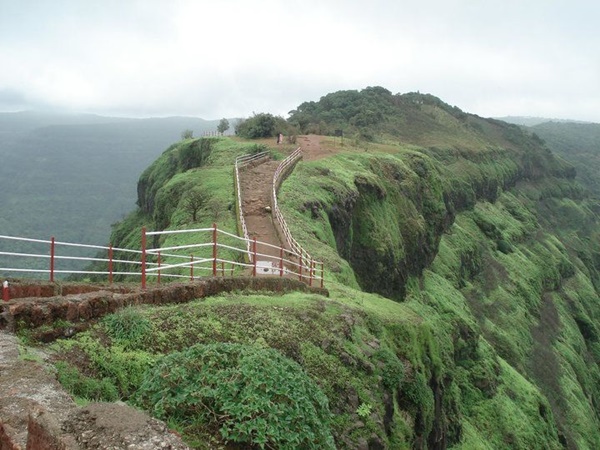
pixel 263 125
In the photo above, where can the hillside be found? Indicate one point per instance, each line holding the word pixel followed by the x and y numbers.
pixel 578 143
pixel 462 264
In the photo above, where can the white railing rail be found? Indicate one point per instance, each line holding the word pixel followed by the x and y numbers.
pixel 280 174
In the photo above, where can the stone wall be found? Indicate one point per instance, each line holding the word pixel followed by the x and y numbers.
pixel 73 312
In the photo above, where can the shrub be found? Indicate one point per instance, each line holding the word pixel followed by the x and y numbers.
pixel 391 369
pixel 253 395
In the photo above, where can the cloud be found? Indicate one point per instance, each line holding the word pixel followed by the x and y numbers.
pixel 232 57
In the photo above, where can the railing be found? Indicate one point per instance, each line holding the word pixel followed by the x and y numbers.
pixel 214 261
pixel 51 249
pixel 213 257
pixel 280 174
pixel 242 161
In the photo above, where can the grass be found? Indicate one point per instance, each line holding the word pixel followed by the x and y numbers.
pixel 486 273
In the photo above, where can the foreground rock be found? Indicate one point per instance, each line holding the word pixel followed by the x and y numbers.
pixel 37 414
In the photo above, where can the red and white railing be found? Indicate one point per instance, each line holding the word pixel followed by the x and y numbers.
pixel 51 251
pixel 209 255
pixel 214 256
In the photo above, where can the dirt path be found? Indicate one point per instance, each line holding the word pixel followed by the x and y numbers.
pixel 256 184
pixel 314 148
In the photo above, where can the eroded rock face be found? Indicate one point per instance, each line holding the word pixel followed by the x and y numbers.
pixel 116 426
pixel 37 414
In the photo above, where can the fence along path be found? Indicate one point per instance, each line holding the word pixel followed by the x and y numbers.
pixel 218 252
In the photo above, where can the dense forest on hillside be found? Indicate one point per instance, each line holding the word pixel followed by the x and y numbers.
pixel 463 264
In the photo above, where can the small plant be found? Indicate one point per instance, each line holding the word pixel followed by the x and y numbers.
pixel 364 410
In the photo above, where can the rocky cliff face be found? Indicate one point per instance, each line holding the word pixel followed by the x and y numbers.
pixel 497 251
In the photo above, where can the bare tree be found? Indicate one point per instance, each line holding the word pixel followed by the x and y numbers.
pixel 194 201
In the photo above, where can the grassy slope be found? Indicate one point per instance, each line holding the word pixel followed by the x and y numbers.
pixel 494 344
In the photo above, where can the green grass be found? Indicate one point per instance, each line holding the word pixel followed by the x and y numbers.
pixel 487 247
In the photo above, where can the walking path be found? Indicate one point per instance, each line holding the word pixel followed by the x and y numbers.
pixel 256 189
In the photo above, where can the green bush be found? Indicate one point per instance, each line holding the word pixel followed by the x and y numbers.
pixel 391 369
pixel 253 395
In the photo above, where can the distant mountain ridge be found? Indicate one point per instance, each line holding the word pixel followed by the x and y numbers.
pixel 533 121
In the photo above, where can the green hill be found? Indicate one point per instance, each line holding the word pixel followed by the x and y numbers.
pixel 578 143
pixel 462 261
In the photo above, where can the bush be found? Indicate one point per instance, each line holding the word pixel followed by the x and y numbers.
pixel 253 395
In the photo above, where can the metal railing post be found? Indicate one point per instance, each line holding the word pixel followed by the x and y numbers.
pixel 300 274
pixel 310 279
pixel 280 261
pixel 110 264
pixel 214 264
pixel 143 257
pixel 254 257
pixel 322 274
pixel 158 261
pixel 52 259
pixel 191 267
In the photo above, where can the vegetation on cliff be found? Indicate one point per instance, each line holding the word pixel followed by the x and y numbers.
pixel 462 261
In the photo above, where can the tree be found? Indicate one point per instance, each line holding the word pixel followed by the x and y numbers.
pixel 187 134
pixel 260 126
pixel 223 126
pixel 194 200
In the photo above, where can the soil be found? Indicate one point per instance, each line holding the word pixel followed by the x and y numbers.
pixel 256 186
pixel 314 148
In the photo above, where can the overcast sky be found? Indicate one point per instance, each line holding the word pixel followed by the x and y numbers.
pixel 229 58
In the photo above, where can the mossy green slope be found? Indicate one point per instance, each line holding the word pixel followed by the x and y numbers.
pixel 481 256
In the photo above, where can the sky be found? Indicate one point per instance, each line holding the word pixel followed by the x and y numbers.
pixel 233 58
